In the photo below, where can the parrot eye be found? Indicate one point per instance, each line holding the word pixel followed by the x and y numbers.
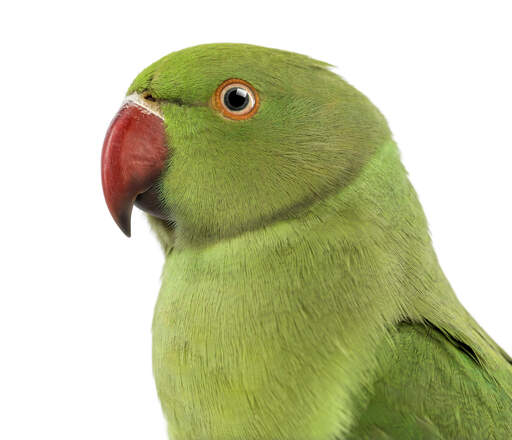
pixel 236 99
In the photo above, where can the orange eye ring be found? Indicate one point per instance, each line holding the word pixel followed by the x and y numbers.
pixel 240 91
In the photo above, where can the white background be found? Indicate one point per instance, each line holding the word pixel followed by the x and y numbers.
pixel 77 296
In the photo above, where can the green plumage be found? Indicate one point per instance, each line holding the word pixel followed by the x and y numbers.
pixel 301 297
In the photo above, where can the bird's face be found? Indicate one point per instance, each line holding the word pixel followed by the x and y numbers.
pixel 220 139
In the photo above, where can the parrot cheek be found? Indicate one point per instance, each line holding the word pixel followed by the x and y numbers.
pixel 133 158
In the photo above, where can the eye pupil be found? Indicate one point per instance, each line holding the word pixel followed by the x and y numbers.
pixel 236 99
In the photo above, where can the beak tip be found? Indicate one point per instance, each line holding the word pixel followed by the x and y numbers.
pixel 123 221
pixel 126 231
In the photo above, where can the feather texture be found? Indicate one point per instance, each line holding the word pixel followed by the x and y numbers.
pixel 301 296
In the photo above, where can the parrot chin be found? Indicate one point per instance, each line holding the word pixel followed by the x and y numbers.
pixel 149 202
pixel 134 155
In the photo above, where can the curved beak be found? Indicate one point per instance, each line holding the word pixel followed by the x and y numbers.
pixel 133 158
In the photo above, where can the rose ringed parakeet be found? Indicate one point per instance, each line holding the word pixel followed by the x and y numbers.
pixel 301 297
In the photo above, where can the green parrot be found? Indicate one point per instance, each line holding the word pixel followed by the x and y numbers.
pixel 301 296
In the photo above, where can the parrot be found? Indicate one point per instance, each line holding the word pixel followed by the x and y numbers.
pixel 301 297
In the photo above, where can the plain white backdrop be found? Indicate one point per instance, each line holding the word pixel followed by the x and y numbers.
pixel 77 297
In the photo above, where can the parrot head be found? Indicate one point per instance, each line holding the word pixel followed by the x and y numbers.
pixel 219 139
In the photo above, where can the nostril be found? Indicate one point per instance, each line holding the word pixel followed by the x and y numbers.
pixel 149 97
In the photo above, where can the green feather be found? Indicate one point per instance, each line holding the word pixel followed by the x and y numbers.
pixel 432 387
pixel 301 297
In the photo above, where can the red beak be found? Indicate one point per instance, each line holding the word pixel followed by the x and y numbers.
pixel 134 156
